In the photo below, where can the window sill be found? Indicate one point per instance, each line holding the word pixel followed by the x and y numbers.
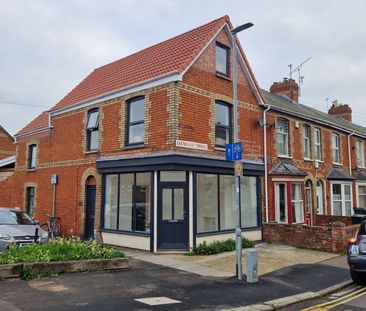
pixel 337 164
pixel 91 151
pixel 138 146
pixel 223 76
pixel 220 149
pixel 33 169
pixel 319 161
pixel 284 156
pixel 308 160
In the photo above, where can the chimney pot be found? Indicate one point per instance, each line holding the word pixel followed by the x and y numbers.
pixel 287 87
pixel 340 110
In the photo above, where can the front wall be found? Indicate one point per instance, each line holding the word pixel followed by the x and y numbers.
pixel 254 235
pixel 125 240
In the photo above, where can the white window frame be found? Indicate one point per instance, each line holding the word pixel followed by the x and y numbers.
pixel 298 201
pixel 360 153
pixel 286 135
pixel 318 144
pixel 343 200
pixel 336 146
pixel 277 205
pixel 358 192
pixel 306 141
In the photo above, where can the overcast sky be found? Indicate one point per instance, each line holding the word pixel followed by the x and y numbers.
pixel 49 46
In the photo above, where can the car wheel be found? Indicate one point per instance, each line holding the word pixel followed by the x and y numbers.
pixel 357 277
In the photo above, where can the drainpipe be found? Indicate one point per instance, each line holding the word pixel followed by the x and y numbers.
pixel 349 153
pixel 265 160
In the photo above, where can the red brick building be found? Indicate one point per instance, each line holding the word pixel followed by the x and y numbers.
pixel 7 163
pixel 316 161
pixel 138 147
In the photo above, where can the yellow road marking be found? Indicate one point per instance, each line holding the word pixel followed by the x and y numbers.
pixel 318 307
pixel 344 301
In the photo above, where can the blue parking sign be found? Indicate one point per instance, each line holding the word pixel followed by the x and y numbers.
pixel 234 152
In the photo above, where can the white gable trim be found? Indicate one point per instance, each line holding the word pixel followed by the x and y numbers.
pixel 7 161
pixel 205 47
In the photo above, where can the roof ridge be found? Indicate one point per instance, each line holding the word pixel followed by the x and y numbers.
pixel 225 17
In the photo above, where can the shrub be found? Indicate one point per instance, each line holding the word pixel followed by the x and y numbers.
pixel 217 247
pixel 61 249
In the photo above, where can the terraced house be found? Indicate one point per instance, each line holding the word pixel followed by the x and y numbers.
pixel 138 147
pixel 316 160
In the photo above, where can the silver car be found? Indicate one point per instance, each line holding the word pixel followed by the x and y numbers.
pixel 17 227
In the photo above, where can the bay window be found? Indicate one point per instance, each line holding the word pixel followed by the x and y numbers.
pixel 361 194
pixel 341 194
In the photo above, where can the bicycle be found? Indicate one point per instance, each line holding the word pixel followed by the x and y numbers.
pixel 52 226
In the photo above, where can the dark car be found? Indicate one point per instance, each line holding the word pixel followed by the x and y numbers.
pixel 17 227
pixel 356 255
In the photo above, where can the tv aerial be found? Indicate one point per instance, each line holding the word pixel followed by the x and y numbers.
pixel 298 69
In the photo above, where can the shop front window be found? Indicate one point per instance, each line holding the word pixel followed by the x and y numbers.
pixel 127 202
pixel 216 210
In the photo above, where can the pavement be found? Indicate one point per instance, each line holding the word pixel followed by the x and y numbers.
pixel 167 284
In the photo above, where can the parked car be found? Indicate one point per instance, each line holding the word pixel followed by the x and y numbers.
pixel 17 227
pixel 356 255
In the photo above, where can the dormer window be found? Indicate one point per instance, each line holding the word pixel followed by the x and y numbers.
pixel 92 130
pixel 222 59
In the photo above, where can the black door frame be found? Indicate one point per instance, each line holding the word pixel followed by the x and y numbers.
pixel 87 234
pixel 173 185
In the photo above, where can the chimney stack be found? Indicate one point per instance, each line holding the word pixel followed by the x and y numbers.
pixel 341 111
pixel 287 87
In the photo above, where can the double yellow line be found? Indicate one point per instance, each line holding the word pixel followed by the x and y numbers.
pixel 332 304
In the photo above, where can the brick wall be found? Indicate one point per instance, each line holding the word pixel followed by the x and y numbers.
pixel 321 238
pixel 7 196
pixel 323 220
pixel 7 147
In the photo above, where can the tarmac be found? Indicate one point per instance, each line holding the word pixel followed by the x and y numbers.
pixel 179 282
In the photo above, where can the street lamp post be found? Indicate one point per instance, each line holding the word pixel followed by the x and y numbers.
pixel 239 270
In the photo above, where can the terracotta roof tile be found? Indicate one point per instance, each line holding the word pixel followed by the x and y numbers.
pixel 173 55
pixel 38 123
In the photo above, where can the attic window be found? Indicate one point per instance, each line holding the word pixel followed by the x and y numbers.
pixel 222 59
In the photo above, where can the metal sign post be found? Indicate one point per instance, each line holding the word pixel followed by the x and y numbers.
pixel 54 183
pixel 237 149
